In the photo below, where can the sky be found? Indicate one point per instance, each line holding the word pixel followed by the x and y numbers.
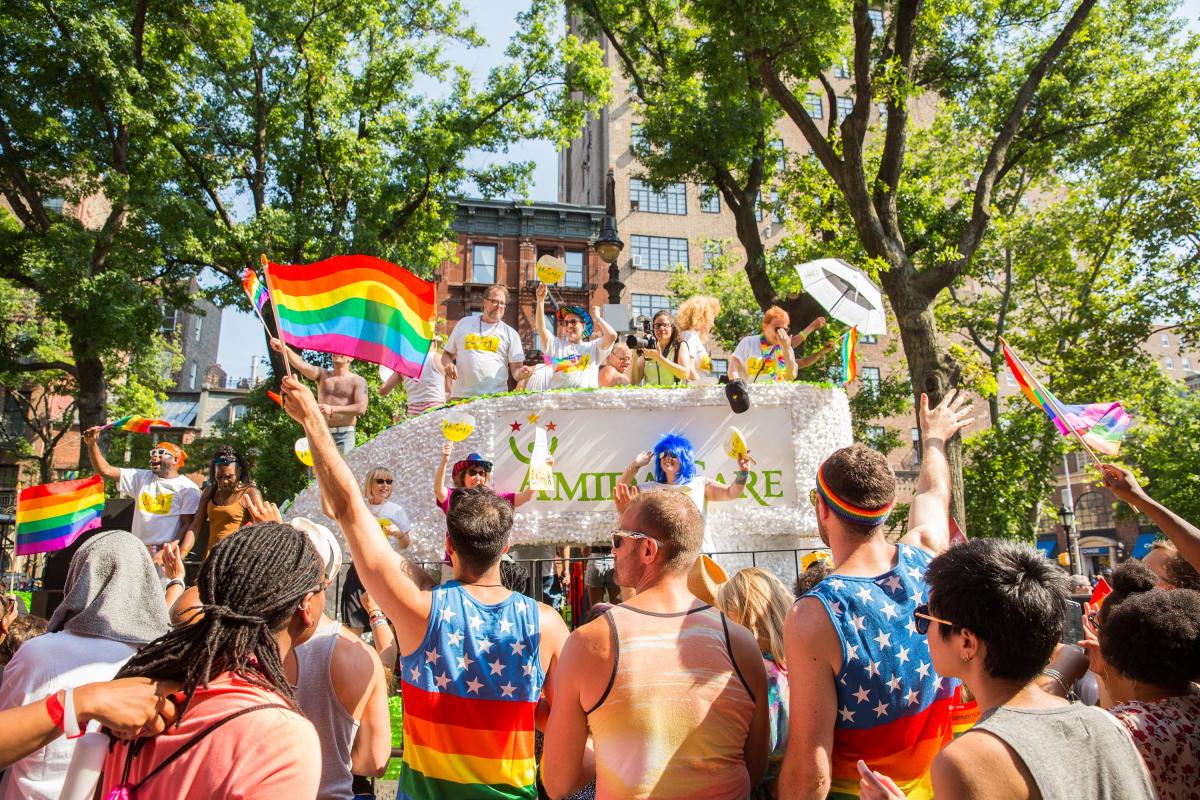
pixel 241 338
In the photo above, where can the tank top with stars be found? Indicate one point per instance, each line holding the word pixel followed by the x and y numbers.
pixel 470 691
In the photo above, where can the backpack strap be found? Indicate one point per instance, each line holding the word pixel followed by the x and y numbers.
pixel 190 743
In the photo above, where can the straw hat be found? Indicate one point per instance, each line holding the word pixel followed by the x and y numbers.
pixel 705 579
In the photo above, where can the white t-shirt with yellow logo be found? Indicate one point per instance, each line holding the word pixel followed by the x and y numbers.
pixel 764 363
pixel 575 365
pixel 158 503
pixel 482 353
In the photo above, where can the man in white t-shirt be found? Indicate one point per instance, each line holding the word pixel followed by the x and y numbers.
pixel 576 363
pixel 164 500
pixel 483 351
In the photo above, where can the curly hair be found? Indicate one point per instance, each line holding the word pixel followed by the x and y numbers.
pixel 228 454
pixel 250 585
pixel 1181 573
pixel 1153 636
pixel 697 312
pixel 678 446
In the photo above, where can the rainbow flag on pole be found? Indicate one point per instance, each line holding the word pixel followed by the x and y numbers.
pixel 357 306
pixel 136 423
pixel 850 355
pixel 255 290
pixel 51 516
pixel 1101 425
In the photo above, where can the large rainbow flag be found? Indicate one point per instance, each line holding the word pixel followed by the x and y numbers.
pixel 51 516
pixel 255 290
pixel 136 423
pixel 357 306
pixel 1102 426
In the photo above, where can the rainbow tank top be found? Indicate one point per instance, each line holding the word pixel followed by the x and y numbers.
pixel 470 691
pixel 893 709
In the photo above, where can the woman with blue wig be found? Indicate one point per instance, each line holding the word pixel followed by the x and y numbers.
pixel 675 470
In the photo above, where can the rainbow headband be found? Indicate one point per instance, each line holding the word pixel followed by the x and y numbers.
pixel 869 517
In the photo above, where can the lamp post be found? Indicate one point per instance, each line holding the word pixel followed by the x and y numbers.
pixel 609 244
pixel 1066 516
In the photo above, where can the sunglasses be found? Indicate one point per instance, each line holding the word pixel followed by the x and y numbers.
pixel 922 617
pixel 618 534
pixel 476 471
pixel 161 453
pixel 663 324
pixel 224 461
pixel 385 481
pixel 668 457
pixel 572 322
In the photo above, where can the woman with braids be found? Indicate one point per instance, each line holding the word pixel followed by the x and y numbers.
pixel 239 732
pixel 222 504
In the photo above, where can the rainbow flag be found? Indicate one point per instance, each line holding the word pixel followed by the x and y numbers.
pixel 357 306
pixel 136 423
pixel 1101 425
pixel 255 290
pixel 51 516
pixel 850 355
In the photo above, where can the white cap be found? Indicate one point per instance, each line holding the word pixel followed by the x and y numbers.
pixel 326 544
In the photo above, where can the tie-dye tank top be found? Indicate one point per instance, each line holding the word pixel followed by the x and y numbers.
pixel 470 691
pixel 675 717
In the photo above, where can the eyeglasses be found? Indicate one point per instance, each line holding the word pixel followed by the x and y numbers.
pixel 922 617
pixel 385 481
pixel 224 461
pixel 496 302
pixel 663 324
pixel 619 534
pixel 572 321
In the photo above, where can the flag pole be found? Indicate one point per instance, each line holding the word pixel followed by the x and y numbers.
pixel 287 361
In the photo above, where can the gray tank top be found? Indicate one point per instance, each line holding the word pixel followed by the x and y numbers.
pixel 1075 752
pixel 318 700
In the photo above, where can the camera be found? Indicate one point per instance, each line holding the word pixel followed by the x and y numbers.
pixel 646 340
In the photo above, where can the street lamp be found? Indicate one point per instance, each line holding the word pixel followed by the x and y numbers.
pixel 1066 515
pixel 609 244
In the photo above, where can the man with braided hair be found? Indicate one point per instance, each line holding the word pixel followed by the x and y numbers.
pixel 474 656
pixel 239 731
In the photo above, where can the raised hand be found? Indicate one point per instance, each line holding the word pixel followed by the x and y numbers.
pixel 643 458
pixel 91 434
pixel 298 401
pixel 172 561
pixel 947 418
pixel 540 292
pixel 1121 482
pixel 261 510
pixel 623 495
pixel 447 449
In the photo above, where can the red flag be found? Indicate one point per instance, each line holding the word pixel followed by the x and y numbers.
pixel 1101 591
pixel 274 396
pixel 957 534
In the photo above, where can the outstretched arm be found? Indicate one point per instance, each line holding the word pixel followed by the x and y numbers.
pixel 539 317
pixel 1183 534
pixel 929 514
pixel 310 371
pixel 630 472
pixel 732 491
pixel 439 475
pixel 91 437
pixel 382 570
pixel 798 339
pixel 808 361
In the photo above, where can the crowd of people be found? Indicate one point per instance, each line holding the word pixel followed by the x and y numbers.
pixel 893 668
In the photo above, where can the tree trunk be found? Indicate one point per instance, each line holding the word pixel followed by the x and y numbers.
pixel 93 392
pixel 931 370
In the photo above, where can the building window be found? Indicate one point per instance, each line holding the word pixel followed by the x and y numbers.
pixel 876 17
pixel 170 320
pixel 671 200
pixel 868 338
pixel 661 253
pixel 845 106
pixel 870 377
pixel 1185 363
pixel 635 136
pixel 841 69
pixel 875 434
pixel 758 212
pixel 1166 340
pixel 574 261
pixel 647 305
pixel 780 154
pixel 1093 511
pixel 710 200
pixel 199 325
pixel 1169 363
pixel 713 249
pixel 720 366
pixel 483 263
pixel 916 444
pixel 192 375
pixel 812 102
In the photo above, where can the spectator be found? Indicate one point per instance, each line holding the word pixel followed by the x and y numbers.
pixel 342 394
pixel 393 521
pixel 756 599
pixel 855 662
pixel 816 570
pixel 695 320
pixel 222 506
pixel 19 631
pixel 673 695
pixel 1156 560
pixel 483 351
pixel 164 501
pixel 341 690
pixel 766 358
pixel 263 594
pixel 1080 586
pixel 575 361
pixel 1183 534
pixel 468 473
pixel 112 605
pixel 474 655
pixel 427 391
pixel 1148 661
pixel 996 608
pixel 663 365
pixel 615 371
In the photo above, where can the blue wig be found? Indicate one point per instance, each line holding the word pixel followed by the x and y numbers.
pixel 679 447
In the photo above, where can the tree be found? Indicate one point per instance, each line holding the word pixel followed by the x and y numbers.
pixel 1166 452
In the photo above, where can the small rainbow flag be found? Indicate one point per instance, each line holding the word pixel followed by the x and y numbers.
pixel 850 355
pixel 51 516
pixel 1102 426
pixel 136 423
pixel 357 306
pixel 255 290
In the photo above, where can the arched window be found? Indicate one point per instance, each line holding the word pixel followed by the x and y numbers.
pixel 1093 511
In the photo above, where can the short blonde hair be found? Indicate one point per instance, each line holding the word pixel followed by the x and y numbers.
pixel 759 601
pixel 372 474
pixel 698 311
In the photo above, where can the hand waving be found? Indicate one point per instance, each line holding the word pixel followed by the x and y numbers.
pixel 947 418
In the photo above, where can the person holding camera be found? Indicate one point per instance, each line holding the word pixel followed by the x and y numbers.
pixel 766 358
pixel 660 353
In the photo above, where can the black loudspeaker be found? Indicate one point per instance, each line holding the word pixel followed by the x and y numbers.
pixel 118 516
pixel 738 396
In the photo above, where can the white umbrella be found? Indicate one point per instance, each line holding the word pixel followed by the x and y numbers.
pixel 846 293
